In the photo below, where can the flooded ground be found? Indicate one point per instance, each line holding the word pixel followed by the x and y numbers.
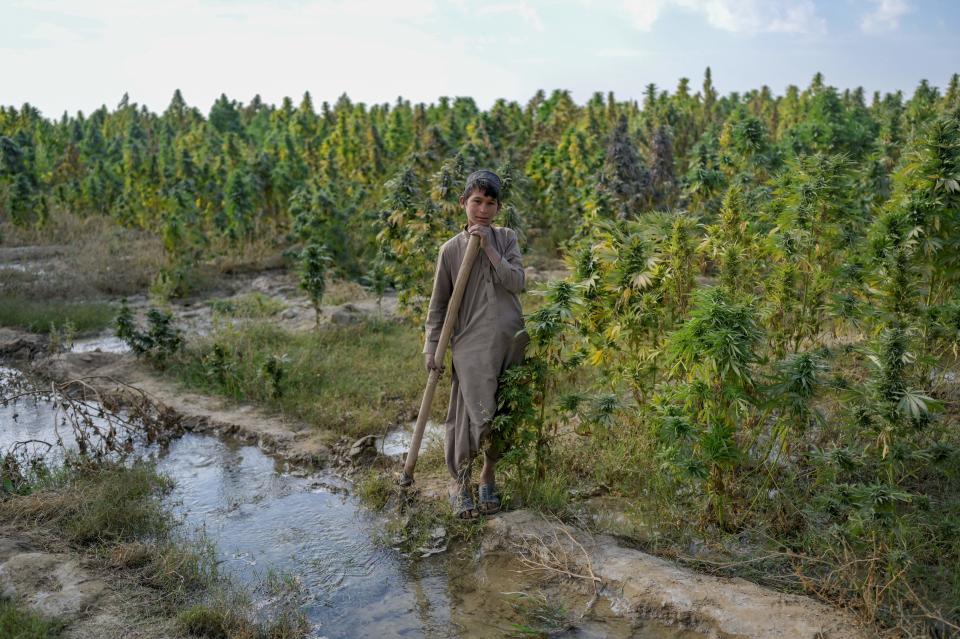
pixel 103 343
pixel 397 441
pixel 269 522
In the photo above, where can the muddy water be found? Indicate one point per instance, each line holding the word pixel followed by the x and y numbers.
pixel 397 441
pixel 104 343
pixel 263 518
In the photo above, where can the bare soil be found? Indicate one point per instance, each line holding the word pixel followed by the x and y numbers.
pixel 643 586
pixel 58 582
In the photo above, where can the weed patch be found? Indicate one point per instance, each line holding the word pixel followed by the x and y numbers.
pixel 374 490
pixel 41 315
pixel 250 306
pixel 354 380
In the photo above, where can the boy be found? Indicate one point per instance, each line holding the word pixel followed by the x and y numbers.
pixel 485 339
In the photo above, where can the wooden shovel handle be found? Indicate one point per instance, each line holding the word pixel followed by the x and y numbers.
pixel 449 320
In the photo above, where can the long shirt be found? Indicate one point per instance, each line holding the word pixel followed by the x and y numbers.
pixel 487 336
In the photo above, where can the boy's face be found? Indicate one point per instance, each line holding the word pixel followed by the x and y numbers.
pixel 480 208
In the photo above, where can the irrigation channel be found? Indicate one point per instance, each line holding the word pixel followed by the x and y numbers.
pixel 266 518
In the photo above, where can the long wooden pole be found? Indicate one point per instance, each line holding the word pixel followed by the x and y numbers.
pixel 449 320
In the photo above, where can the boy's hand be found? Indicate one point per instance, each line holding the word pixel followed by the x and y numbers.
pixel 430 363
pixel 482 231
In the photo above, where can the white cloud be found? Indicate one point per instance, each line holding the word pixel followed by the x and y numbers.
pixel 885 16
pixel 643 13
pixel 737 16
pixel 373 50
pixel 520 9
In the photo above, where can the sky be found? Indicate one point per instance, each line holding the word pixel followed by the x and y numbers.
pixel 76 55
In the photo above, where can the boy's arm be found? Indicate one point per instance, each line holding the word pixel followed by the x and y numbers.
pixel 437 311
pixel 509 270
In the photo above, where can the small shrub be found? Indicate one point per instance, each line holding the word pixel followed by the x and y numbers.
pixel 314 264
pixel 272 372
pixel 161 339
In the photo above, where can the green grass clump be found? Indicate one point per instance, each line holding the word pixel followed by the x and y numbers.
pixel 251 306
pixel 97 503
pixel 18 623
pixel 117 511
pixel 539 616
pixel 354 380
pixel 39 315
pixel 417 525
pixel 374 490
pixel 226 616
pixel 202 620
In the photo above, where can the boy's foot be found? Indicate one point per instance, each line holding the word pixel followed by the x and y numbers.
pixel 462 504
pixel 489 499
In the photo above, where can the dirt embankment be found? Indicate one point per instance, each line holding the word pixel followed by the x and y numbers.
pixel 643 586
pixel 18 346
pixel 115 374
pixel 639 585
pixel 56 582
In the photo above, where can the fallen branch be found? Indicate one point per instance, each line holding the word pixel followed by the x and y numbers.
pixel 553 557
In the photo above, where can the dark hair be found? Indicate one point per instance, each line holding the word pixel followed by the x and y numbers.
pixel 487 182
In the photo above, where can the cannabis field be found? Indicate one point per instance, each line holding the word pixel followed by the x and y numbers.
pixel 755 346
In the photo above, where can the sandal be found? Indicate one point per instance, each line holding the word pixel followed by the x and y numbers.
pixel 462 504
pixel 489 499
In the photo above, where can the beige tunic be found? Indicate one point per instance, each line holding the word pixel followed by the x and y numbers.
pixel 485 337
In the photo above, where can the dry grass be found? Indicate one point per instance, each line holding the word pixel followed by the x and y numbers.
pixel 355 380
pixel 343 291
pixel 96 504
pixel 257 256
pixel 81 257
